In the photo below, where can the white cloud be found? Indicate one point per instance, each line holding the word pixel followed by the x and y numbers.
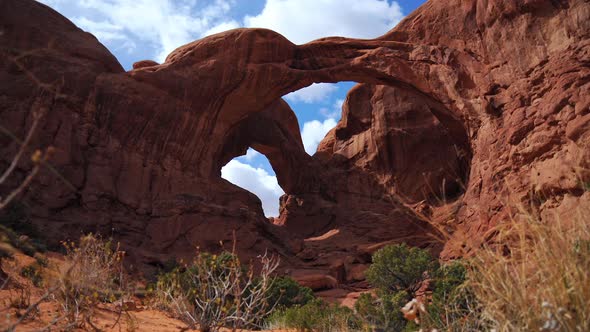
pixel 251 154
pixel 333 112
pixel 55 4
pixel 223 26
pixel 257 181
pixel 313 132
pixel 304 20
pixel 107 32
pixel 162 25
pixel 317 92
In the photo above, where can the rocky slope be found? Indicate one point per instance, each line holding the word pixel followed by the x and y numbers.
pixel 464 108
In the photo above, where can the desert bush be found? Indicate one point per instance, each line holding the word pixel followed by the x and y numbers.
pixel 382 312
pixel 91 274
pixel 400 268
pixel 317 316
pixel 396 272
pixel 217 291
pixel 286 292
pixel 453 306
pixel 533 277
pixel 537 278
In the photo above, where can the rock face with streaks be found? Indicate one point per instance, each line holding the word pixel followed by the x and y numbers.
pixel 462 107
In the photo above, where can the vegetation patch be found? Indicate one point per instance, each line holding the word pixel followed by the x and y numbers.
pixel 217 291
pixel 92 274
pixel 316 315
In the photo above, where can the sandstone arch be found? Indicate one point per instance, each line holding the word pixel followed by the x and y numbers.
pixel 256 67
pixel 143 148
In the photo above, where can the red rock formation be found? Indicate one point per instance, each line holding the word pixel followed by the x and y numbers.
pixel 536 55
pixel 462 105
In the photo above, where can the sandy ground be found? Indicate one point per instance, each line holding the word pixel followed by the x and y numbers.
pixel 17 295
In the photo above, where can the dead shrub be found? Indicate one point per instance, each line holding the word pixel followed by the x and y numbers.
pixel 91 274
pixel 218 291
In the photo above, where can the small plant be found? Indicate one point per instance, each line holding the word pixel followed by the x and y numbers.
pixel 317 316
pixel 218 291
pixel 22 299
pixel 397 271
pixel 286 292
pixel 34 272
pixel 92 274
pixel 400 268
pixel 453 306
pixel 382 313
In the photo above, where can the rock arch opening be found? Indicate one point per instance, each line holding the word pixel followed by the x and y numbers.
pixel 409 142
pixel 254 173
pixel 401 129
pixel 406 142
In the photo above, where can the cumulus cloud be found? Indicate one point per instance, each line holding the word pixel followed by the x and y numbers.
pixel 317 92
pixel 304 20
pixel 163 25
pixel 251 155
pixel 107 32
pixel 223 26
pixel 313 132
pixel 335 111
pixel 257 181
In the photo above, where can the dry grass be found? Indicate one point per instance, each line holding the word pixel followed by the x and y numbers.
pixel 537 277
pixel 92 274
pixel 217 291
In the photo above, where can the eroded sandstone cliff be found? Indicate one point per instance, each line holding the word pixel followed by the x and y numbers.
pixel 462 108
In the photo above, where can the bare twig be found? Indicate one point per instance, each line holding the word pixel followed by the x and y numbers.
pixel 32 307
pixel 218 292
pixel 38 157
pixel 4 202
pixel 36 117
pixel 45 164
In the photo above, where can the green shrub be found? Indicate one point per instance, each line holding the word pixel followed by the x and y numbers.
pixel 382 313
pixel 286 292
pixel 398 267
pixel 446 281
pixel 396 272
pixel 452 302
pixel 316 316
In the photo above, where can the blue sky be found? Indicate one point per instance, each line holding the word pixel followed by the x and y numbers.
pixel 136 30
